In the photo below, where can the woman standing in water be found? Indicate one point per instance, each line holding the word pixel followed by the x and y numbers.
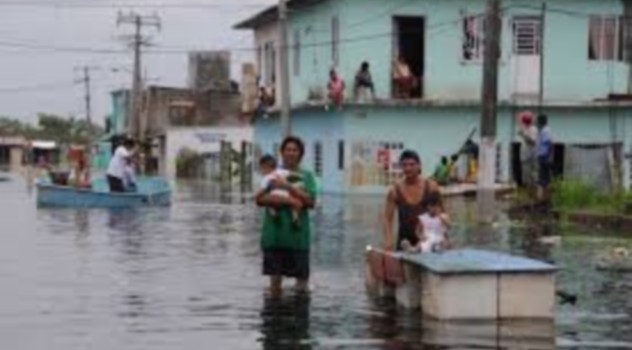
pixel 409 198
pixel 285 242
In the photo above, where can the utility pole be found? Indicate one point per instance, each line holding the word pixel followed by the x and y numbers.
pixel 487 149
pixel 86 83
pixel 137 127
pixel 85 71
pixel 286 123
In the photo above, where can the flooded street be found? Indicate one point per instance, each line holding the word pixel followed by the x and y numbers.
pixel 188 277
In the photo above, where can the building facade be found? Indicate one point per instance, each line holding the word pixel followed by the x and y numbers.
pixel 567 60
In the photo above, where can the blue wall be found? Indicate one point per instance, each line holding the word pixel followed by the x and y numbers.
pixel 311 126
pixel 433 132
pixel 120 109
pixel 365 27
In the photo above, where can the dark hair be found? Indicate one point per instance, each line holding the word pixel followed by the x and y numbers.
pixel 433 199
pixel 444 160
pixel 268 159
pixel 409 155
pixel 364 66
pixel 543 120
pixel 455 157
pixel 297 141
pixel 128 142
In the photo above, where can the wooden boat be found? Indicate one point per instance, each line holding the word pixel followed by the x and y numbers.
pixel 151 192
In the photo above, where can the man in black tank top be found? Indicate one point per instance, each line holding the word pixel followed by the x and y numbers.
pixel 408 198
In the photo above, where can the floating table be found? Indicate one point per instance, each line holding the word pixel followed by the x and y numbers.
pixel 465 284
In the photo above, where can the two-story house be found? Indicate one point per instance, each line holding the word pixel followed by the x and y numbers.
pixel 568 60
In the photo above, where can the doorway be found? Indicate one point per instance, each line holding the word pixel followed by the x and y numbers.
pixel 409 43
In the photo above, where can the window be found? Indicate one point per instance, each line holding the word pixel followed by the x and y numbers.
pixel 297 52
pixel 341 155
pixel 335 41
pixel 269 63
pixel 527 35
pixel 473 38
pixel 318 158
pixel 605 38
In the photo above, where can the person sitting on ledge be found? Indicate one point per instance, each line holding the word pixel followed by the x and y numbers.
pixel 363 84
pixel 336 89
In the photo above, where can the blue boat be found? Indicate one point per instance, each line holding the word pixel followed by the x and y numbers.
pixel 151 192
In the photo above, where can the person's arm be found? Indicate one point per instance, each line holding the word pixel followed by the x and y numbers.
pixel 306 195
pixel 389 216
pixel 445 219
pixel 264 199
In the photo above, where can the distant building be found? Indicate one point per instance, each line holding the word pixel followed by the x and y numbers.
pixel 209 70
pixel 12 153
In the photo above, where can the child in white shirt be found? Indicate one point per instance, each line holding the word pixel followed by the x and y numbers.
pixel 432 229
pixel 270 173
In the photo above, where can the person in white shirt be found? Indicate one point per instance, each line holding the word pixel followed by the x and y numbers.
pixel 432 229
pixel 528 133
pixel 270 176
pixel 116 169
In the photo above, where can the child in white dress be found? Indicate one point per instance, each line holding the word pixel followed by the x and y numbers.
pixel 432 229
pixel 270 173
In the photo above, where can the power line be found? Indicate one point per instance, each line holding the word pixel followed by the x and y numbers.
pixel 178 51
pixel 39 87
pixel 136 4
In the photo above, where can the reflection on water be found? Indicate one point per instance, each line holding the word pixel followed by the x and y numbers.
pixel 188 277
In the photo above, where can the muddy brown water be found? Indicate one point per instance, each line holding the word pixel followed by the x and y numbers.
pixel 188 277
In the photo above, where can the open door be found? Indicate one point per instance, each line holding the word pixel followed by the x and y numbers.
pixel 409 42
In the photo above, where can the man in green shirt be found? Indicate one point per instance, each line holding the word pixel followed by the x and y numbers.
pixel 285 243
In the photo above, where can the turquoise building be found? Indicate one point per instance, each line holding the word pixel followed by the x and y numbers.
pixel 567 59
pixel 116 124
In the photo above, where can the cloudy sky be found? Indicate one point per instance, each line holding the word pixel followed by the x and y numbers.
pixel 43 41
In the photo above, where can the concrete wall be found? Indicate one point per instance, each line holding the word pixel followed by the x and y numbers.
pixel 365 29
pixel 207 108
pixel 201 140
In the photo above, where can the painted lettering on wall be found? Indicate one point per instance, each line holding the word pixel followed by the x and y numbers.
pixel 374 163
pixel 210 137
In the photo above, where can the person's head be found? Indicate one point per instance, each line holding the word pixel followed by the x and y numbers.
pixel 444 160
pixel 434 203
pixel 292 151
pixel 410 163
pixel 543 121
pixel 454 158
pixel 364 67
pixel 267 164
pixel 526 118
pixel 129 144
pixel 333 74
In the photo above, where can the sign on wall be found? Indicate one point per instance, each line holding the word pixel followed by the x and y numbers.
pixel 374 163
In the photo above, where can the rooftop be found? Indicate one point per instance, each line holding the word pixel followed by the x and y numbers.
pixel 271 14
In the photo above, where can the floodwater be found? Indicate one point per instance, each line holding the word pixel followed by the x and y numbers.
pixel 188 277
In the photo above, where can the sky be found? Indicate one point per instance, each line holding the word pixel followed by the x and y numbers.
pixel 43 42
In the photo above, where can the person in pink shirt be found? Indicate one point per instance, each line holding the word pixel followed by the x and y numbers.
pixel 336 88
